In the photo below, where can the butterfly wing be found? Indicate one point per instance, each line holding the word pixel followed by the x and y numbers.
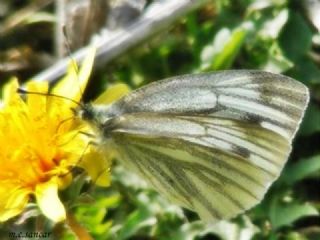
pixel 213 142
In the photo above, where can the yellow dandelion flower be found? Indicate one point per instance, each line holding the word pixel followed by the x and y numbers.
pixel 41 142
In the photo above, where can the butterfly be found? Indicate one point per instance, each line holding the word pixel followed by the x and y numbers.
pixel 212 142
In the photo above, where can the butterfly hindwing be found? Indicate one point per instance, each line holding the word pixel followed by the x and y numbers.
pixel 213 166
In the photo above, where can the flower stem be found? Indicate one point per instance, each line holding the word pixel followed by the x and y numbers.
pixel 77 228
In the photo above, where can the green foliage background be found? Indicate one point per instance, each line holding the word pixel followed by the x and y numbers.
pixel 273 35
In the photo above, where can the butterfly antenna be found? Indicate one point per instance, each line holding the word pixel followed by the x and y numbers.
pixel 22 91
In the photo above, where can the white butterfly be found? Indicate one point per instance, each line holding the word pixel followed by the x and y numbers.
pixel 211 142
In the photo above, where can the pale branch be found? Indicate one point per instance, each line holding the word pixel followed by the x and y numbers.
pixel 157 17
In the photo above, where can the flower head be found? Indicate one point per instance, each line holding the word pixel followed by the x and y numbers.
pixel 40 142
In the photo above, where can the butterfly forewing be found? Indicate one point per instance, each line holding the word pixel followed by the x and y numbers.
pixel 277 102
pixel 210 142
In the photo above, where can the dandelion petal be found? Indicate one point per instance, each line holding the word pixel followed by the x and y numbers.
pixel 49 202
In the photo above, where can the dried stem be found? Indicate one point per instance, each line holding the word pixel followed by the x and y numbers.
pixel 157 17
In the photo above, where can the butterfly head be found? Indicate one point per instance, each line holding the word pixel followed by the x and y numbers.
pixel 85 112
pixel 97 116
pixel 88 114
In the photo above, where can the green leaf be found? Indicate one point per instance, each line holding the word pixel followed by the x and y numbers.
pixel 295 236
pixel 306 71
pixel 286 214
pixel 301 169
pixel 277 62
pixel 311 122
pixel 224 49
pixel 93 215
pixel 296 37
pixel 135 221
